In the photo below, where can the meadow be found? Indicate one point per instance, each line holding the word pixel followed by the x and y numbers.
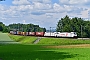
pixel 46 49
pixel 23 39
pixel 39 52
pixel 63 41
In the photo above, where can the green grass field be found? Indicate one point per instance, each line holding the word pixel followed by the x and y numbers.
pixel 46 49
pixel 39 52
pixel 62 41
pixel 23 39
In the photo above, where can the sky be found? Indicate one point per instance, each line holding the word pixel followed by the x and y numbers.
pixel 45 13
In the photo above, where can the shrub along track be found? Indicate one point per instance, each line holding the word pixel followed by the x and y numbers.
pixel 70 46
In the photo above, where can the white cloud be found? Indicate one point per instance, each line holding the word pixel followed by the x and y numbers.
pixel 41 1
pixel 24 7
pixel 84 14
pixel 68 8
pixel 46 1
pixel 74 1
pixel 2 8
pixel 24 21
pixel 21 2
pixel 64 1
pixel 38 5
pixel 58 8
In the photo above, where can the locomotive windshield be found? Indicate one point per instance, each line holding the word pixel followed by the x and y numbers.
pixel 75 33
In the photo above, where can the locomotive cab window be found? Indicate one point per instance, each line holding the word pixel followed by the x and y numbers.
pixel 75 33
pixel 56 33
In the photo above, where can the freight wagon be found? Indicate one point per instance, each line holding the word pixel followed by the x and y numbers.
pixel 31 33
pixel 40 33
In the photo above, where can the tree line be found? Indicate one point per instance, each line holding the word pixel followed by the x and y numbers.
pixel 21 27
pixel 78 25
pixel 26 27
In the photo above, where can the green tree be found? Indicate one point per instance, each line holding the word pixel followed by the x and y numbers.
pixel 1 26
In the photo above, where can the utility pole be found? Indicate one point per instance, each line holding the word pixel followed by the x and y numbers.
pixel 81 32
pixel 50 31
pixel 18 27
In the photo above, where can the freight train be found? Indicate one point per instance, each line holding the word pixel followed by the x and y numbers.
pixel 46 34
